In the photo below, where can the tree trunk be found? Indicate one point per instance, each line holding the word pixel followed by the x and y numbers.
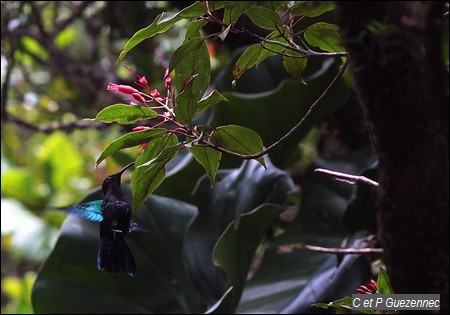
pixel 395 55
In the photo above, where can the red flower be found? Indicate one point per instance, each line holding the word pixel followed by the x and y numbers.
pixel 121 88
pixel 370 289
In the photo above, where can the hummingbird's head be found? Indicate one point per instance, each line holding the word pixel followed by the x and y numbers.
pixel 112 182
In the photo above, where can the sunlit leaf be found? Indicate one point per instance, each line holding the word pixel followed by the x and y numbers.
pixel 383 283
pixel 161 24
pixel 124 114
pixel 131 139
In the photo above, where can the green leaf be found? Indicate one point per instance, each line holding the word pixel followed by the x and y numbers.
pixel 247 60
pixel 270 49
pixel 150 168
pixel 263 17
pixel 124 114
pixel 131 139
pixel 208 158
pixel 69 278
pixel 345 302
pixel 312 8
pixel 235 250
pixel 186 103
pixel 235 192
pixel 193 29
pixel 239 139
pixel 383 283
pixel 234 9
pixel 161 24
pixel 305 277
pixel 184 50
pixel 295 66
pixel 209 100
pixel 325 36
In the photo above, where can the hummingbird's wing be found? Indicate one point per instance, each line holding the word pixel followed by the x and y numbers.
pixel 90 210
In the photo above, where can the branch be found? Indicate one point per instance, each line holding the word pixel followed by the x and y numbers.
pixel 296 128
pixel 351 179
pixel 346 251
pixel 307 53
pixel 77 11
pixel 68 127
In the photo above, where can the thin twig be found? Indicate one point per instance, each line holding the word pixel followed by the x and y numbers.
pixel 307 53
pixel 346 251
pixel 296 128
pixel 77 11
pixel 351 179
pixel 282 53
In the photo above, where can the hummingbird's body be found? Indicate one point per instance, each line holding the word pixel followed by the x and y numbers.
pixel 115 217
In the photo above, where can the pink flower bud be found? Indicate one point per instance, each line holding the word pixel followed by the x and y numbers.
pixel 360 291
pixel 168 81
pixel 143 146
pixel 155 93
pixel 138 97
pixel 143 81
pixel 121 88
pixel 140 128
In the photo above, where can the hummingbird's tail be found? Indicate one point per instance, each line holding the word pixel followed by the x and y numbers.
pixel 115 256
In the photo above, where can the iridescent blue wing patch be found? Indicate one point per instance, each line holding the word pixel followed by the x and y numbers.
pixel 90 210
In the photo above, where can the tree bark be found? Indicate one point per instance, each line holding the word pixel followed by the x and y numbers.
pixel 395 55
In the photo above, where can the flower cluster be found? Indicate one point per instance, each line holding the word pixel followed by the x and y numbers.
pixel 152 95
pixel 370 289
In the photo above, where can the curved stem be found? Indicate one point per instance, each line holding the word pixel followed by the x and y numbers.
pixel 296 128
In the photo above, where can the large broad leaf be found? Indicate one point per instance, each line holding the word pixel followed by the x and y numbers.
pixel 235 250
pixel 273 113
pixel 70 282
pixel 290 279
pixel 236 192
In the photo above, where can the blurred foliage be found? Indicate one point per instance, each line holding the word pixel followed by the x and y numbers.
pixel 57 59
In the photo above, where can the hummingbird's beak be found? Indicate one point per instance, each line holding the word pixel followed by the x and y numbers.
pixel 124 169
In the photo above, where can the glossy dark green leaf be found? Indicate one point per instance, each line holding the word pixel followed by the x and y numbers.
pixel 208 158
pixel 150 168
pixel 295 66
pixel 131 139
pixel 124 114
pixel 213 98
pixel 325 36
pixel 311 8
pixel 263 17
pixel 235 250
pixel 291 279
pixel 69 281
pixel 238 139
pixel 247 60
pixel 234 9
pixel 235 192
pixel 161 24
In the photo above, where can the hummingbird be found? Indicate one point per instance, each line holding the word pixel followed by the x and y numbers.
pixel 114 215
